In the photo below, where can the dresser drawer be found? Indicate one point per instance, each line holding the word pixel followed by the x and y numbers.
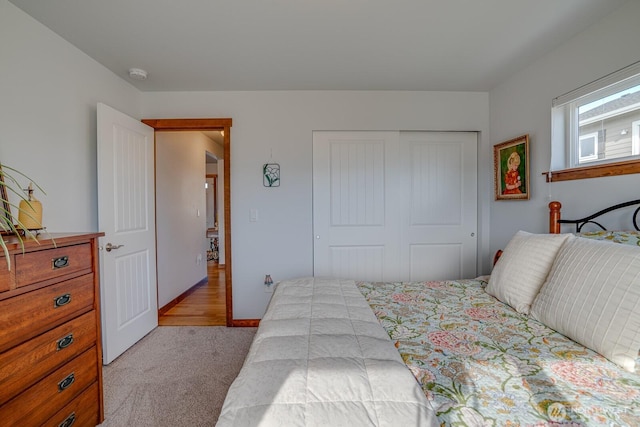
pixel 5 276
pixel 23 365
pixel 30 314
pixel 43 400
pixel 82 411
pixel 36 266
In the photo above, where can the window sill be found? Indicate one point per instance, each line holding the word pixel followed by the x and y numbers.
pixel 596 171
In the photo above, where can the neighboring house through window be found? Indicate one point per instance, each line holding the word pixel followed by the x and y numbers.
pixel 605 126
pixel 588 147
pixel 635 137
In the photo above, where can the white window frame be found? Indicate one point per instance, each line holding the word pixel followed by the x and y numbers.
pixel 565 138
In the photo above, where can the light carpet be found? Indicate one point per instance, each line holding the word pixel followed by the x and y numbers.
pixel 175 376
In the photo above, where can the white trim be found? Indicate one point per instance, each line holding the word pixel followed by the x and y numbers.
pixel 606 81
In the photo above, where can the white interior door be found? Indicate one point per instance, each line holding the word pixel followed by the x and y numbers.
pixel 394 205
pixel 439 215
pixel 355 220
pixel 126 214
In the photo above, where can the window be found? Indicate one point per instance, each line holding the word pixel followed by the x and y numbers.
pixel 598 124
pixel 612 115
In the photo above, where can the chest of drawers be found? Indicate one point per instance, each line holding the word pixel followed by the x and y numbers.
pixel 50 345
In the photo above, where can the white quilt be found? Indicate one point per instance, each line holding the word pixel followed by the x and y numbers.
pixel 320 358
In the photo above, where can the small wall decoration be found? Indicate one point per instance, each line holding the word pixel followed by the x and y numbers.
pixel 271 175
pixel 511 169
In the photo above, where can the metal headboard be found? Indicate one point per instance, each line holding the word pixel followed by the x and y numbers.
pixel 590 219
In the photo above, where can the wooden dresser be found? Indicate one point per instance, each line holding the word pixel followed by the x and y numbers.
pixel 50 346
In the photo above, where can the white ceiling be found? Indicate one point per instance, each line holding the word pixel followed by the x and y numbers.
pixel 196 45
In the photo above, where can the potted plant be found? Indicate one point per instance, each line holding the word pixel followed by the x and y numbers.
pixel 9 225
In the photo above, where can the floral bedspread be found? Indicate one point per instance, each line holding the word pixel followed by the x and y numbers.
pixel 624 237
pixel 481 363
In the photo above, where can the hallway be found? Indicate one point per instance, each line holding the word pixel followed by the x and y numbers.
pixel 203 305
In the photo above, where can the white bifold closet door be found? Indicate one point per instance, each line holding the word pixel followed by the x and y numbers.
pixel 394 205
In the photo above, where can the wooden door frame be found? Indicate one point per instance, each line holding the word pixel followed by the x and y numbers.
pixel 167 125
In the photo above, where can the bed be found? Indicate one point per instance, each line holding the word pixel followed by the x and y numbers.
pixel 552 337
pixel 320 358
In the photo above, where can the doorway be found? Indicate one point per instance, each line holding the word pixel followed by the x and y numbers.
pixel 212 237
pixel 224 125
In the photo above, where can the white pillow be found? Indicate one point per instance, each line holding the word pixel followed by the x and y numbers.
pixel 522 269
pixel 592 295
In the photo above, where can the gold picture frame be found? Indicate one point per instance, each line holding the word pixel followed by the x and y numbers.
pixel 511 169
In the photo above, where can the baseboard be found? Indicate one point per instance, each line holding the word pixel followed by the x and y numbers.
pixel 245 323
pixel 180 297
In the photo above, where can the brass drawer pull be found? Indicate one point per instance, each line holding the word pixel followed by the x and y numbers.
pixel 69 421
pixel 61 300
pixel 64 342
pixel 60 262
pixel 65 383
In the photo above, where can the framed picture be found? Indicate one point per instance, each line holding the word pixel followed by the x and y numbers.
pixel 511 169
pixel 271 175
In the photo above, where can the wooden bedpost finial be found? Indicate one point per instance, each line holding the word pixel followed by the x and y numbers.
pixel 554 217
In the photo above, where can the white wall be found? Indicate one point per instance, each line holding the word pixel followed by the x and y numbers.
pixel 48 96
pixel 523 105
pixel 282 122
pixel 47 128
pixel 180 211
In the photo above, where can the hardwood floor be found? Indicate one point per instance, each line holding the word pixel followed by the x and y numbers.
pixel 203 306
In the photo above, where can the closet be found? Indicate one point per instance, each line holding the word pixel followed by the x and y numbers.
pixel 395 205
